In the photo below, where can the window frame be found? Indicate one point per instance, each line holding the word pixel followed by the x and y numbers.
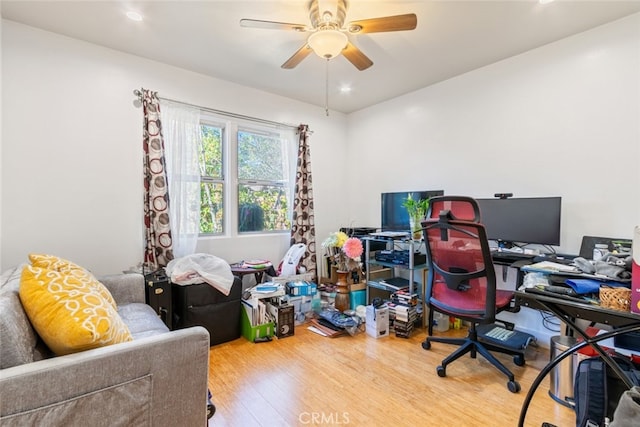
pixel 230 180
pixel 207 119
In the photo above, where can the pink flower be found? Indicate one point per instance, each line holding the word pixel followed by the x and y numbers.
pixel 352 247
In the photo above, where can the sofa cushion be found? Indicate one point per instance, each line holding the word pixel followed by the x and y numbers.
pixel 141 320
pixel 68 313
pixel 62 265
pixel 17 337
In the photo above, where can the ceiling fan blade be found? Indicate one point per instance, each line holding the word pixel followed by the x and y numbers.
pixel 271 25
pixel 356 57
pixel 297 57
pixel 381 25
pixel 314 13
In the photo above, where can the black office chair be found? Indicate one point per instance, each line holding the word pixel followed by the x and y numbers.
pixel 462 283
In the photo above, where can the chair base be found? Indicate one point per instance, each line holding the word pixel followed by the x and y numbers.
pixel 471 345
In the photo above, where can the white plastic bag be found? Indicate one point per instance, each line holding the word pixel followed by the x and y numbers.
pixel 198 268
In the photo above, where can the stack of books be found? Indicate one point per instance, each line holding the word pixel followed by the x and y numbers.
pixel 403 312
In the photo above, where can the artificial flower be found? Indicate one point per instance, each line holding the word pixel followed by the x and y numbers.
pixel 343 250
pixel 352 247
pixel 335 240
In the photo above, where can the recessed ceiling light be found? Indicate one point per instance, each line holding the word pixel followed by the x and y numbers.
pixel 134 16
pixel 345 89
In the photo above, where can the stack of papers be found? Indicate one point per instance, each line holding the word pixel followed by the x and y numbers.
pixel 266 290
pixel 256 312
pixel 552 267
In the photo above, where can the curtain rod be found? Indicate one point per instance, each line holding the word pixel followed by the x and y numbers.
pixel 138 93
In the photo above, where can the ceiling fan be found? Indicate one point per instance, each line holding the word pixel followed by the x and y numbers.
pixel 328 37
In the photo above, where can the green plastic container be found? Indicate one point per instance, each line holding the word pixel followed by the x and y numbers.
pixel 253 332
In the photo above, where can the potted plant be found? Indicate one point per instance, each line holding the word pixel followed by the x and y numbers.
pixel 417 209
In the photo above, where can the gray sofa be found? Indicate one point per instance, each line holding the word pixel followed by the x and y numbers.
pixel 158 379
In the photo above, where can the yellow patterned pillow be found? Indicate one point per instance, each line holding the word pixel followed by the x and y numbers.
pixel 69 314
pixel 63 266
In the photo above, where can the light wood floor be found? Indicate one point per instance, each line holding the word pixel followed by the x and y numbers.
pixel 357 380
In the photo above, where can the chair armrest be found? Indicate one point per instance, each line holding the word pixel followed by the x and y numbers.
pixel 125 288
pixel 173 366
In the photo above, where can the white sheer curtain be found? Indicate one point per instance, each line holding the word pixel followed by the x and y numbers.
pixel 181 131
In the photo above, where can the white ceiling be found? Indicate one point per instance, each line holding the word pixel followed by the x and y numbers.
pixel 452 37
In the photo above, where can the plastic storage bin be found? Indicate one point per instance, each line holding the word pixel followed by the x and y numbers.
pixel 252 332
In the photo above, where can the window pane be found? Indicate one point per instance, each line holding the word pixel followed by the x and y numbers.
pixel 261 157
pixel 262 208
pixel 211 208
pixel 211 151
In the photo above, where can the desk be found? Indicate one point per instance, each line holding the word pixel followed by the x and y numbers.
pixel 568 311
pixel 258 273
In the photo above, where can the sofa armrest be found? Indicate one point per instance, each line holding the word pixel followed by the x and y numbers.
pixel 159 380
pixel 125 288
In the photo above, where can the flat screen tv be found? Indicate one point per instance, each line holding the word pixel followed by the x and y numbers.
pixel 522 220
pixel 394 214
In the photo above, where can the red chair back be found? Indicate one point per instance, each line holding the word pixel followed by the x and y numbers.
pixel 461 207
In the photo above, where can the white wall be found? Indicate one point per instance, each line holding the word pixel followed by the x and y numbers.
pixel 561 120
pixel 72 150
pixel 0 136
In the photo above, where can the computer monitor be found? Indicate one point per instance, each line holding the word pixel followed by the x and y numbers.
pixel 522 220
pixel 394 214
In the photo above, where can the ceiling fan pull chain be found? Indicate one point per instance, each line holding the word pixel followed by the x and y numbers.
pixel 326 90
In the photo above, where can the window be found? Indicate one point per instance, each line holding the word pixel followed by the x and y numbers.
pixel 211 179
pixel 257 158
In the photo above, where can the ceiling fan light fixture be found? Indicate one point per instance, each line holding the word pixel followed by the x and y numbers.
pixel 327 43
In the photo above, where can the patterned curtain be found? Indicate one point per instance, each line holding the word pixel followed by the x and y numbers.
pixel 158 250
pixel 303 227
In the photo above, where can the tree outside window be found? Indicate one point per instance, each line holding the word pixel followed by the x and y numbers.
pixel 263 182
pixel 263 175
pixel 212 180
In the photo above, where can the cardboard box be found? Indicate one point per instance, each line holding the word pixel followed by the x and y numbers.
pixel 284 316
pixel 358 287
pixel 377 321
pixel 286 279
pixel 380 273
pixel 252 332
pixel 301 306
pixel 299 288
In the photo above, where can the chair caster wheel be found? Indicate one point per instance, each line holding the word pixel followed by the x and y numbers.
pixel 211 409
pixel 513 386
pixel 426 345
pixel 518 359
pixel 442 372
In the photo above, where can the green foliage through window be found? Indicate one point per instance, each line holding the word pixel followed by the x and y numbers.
pixel 263 176
pixel 212 182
